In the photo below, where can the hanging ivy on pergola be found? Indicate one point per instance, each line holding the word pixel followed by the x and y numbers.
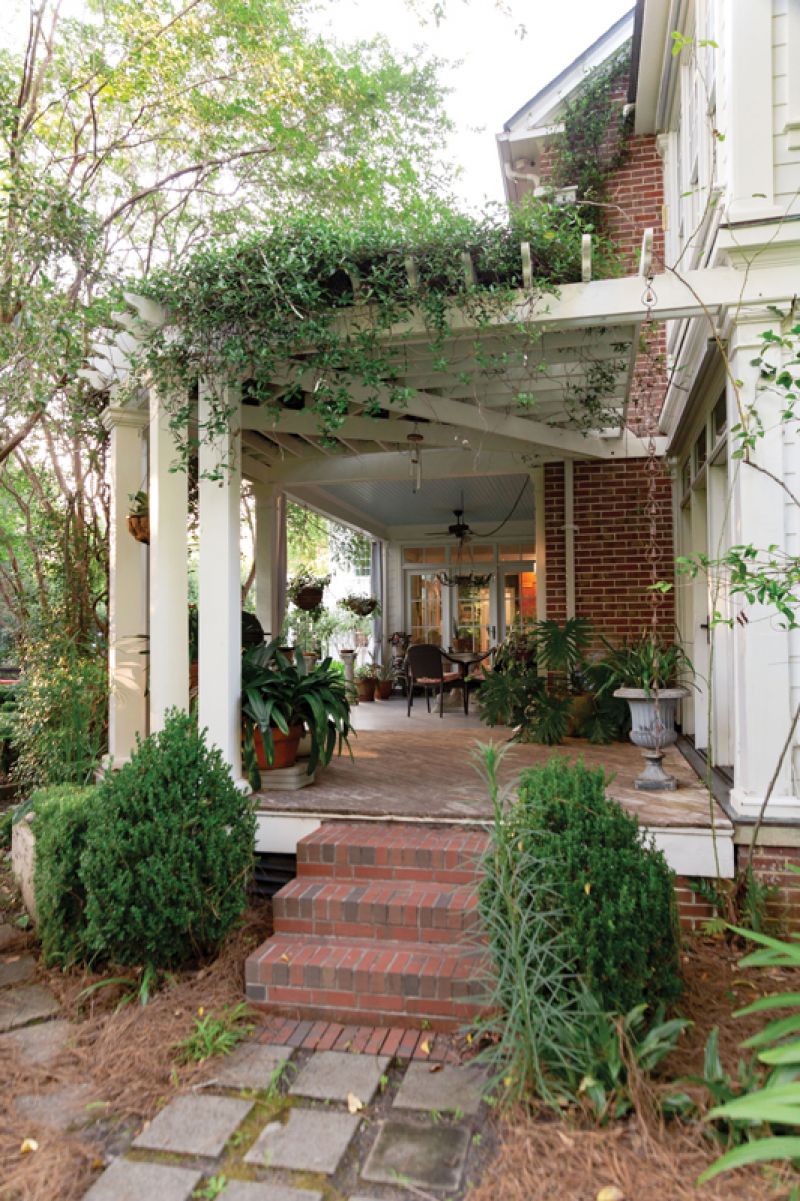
pixel 303 312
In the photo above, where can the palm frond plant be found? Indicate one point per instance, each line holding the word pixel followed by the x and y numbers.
pixel 647 663
pixel 279 695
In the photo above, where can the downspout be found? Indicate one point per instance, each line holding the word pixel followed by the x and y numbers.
pixel 569 535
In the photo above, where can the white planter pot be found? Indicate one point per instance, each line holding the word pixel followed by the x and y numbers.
pixel 652 715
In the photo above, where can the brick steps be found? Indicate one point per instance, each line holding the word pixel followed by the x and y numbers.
pixel 400 910
pixel 380 925
pixel 392 851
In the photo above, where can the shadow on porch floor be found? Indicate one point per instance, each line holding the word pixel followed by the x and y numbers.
pixel 422 767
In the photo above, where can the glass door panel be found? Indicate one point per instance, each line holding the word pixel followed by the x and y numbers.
pixel 474 630
pixel 425 608
pixel 519 597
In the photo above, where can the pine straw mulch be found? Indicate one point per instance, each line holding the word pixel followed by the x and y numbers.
pixel 544 1158
pixel 125 1055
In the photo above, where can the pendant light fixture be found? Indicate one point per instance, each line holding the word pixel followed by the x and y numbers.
pixel 415 440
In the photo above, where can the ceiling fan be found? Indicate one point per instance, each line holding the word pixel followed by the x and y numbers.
pixel 459 529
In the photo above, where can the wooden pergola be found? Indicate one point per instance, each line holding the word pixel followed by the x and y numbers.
pixel 285 451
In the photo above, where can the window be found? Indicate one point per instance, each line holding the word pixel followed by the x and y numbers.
pixel 700 452
pixel 719 417
pixel 424 554
pixel 515 552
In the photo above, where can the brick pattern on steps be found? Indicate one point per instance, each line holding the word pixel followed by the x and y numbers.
pixel 380 925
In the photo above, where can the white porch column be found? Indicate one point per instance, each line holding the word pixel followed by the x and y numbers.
pixel 761 648
pixel 270 556
pixel 127 586
pixel 169 585
pixel 220 587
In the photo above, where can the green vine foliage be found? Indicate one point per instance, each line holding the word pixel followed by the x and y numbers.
pixel 300 313
pixel 595 139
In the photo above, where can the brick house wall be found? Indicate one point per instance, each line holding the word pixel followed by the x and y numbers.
pixel 612 546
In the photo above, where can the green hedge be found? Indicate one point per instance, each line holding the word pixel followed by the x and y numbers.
pixel 62 817
pixel 168 853
pixel 151 866
pixel 612 888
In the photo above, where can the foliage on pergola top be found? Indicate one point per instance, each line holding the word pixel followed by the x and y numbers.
pixel 268 309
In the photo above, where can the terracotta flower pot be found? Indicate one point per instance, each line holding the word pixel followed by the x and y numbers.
pixel 139 526
pixel 285 753
pixel 383 689
pixel 366 689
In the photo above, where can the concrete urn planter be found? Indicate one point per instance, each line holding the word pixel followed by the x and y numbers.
pixel 653 728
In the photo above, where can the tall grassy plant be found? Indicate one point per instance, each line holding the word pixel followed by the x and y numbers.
pixel 534 1021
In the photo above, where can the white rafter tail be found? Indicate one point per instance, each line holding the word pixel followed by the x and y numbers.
pixel 97 379
pixel 126 320
pixel 470 275
pixel 127 343
pixel 646 257
pixel 586 258
pixel 412 271
pixel 527 266
pixel 148 311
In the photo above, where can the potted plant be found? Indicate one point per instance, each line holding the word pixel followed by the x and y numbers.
pixel 645 673
pixel 280 700
pixel 384 681
pixel 362 606
pixel 366 681
pixel 139 516
pixel 305 589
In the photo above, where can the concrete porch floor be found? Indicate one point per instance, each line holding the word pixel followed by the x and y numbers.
pixel 422 767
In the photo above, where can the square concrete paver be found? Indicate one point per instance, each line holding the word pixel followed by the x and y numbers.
pixel 244 1190
pixel 40 1044
pixel 126 1181
pixel 17 969
pixel 450 1090
pixel 61 1107
pixel 425 1156
pixel 251 1066
pixel 194 1125
pixel 333 1075
pixel 312 1140
pixel 26 1004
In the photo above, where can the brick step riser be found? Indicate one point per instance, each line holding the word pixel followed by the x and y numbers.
pixel 366 871
pixel 429 914
pixel 466 931
pixel 342 997
pixel 364 1016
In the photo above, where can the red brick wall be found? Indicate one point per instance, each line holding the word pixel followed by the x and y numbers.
pixel 773 866
pixel 693 910
pixel 612 543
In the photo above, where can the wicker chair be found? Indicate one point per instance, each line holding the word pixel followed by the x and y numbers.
pixel 425 669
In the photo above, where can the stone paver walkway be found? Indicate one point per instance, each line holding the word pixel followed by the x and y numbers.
pixel 283 1122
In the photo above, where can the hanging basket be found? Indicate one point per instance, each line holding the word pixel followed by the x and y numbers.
pixel 363 606
pixel 309 598
pixel 139 526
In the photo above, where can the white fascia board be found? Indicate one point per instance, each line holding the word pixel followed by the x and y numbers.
pixel 655 64
pixel 543 108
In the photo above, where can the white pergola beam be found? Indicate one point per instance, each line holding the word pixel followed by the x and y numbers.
pixel 370 429
pixel 611 301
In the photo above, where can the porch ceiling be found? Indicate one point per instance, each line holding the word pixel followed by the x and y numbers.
pixel 486 501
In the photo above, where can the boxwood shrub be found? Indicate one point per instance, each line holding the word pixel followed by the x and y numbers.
pixel 62 815
pixel 612 888
pixel 168 852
